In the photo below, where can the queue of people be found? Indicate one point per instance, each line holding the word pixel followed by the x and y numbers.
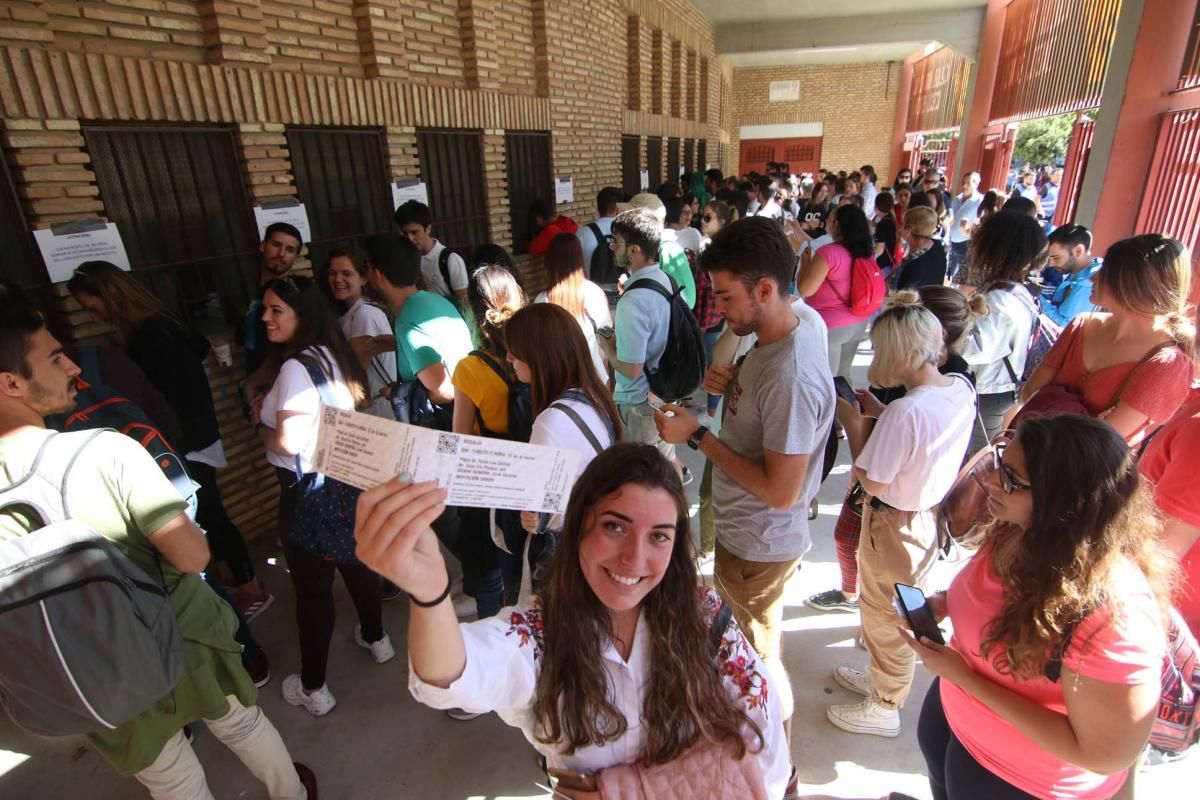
pixel 594 633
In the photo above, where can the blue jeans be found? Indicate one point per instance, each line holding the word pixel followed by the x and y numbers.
pixel 710 339
pixel 251 652
pixel 481 569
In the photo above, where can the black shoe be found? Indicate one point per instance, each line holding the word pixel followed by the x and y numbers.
pixel 308 779
pixel 390 590
pixel 260 671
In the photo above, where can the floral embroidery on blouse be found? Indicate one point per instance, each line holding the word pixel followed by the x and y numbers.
pixel 527 627
pixel 738 662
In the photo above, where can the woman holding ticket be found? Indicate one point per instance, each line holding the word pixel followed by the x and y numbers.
pixel 623 669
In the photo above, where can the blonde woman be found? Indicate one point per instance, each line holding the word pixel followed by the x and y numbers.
pixel 906 466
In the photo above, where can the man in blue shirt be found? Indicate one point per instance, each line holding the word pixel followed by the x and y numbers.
pixel 1070 253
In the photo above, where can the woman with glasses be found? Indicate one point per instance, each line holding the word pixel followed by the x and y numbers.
pixel 1131 365
pixel 907 465
pixel 1051 682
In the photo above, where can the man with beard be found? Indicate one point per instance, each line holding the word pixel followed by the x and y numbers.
pixel 116 489
pixel 277 252
pixel 779 405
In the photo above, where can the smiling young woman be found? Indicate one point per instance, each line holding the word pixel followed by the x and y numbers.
pixel 623 659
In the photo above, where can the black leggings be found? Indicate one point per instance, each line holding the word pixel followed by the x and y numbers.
pixel 954 774
pixel 223 536
pixel 312 579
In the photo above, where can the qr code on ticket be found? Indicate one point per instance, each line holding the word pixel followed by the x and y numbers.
pixel 447 445
pixel 552 500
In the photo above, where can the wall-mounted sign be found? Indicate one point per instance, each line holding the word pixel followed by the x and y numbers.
pixel 783 91
pixel 405 189
pixel 564 190
pixel 66 245
pixel 283 209
pixel 645 179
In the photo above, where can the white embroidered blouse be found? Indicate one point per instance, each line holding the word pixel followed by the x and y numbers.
pixel 503 658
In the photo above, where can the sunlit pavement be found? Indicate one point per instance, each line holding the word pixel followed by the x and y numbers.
pixel 378 743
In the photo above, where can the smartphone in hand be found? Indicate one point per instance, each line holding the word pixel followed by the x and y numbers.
pixel 910 601
pixel 605 332
pixel 845 391
pixel 655 401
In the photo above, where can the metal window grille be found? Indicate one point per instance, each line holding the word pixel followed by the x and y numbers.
pixel 1053 57
pixel 799 152
pixel 342 179
pixel 1078 150
pixel 178 198
pixel 939 92
pixel 702 154
pixel 689 155
pixel 452 168
pixel 654 160
pixel 1171 204
pixel 16 242
pixel 631 178
pixel 529 178
pixel 672 161
pixel 760 152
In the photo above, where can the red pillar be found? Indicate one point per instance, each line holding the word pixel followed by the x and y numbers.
pixel 986 68
pixel 901 123
pixel 1152 74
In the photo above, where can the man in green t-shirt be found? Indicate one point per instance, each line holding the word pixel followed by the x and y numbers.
pixel 116 489
pixel 430 334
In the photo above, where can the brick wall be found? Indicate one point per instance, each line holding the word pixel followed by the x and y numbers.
pixel 257 66
pixel 855 102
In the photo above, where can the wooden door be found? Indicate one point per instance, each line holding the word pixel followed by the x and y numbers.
pixel 801 154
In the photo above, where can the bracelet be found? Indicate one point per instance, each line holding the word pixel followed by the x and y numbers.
pixel 445 593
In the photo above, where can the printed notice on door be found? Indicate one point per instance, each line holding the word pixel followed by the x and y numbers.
pixel 364 451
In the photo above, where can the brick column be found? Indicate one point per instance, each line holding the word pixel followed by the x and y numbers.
pixel 675 91
pixel 51 174
pixel 634 35
pixel 658 75
pixel 381 38
pixel 266 162
pixel 480 43
pixel 25 22
pixel 234 31
pixel 541 48
pixel 690 86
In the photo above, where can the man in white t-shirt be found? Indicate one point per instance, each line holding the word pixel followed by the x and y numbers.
pixel 964 209
pixel 767 205
pixel 445 273
pixel 676 227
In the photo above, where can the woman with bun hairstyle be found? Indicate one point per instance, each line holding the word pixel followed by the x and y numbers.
pixel 481 387
pixel 1131 365
pixel 905 468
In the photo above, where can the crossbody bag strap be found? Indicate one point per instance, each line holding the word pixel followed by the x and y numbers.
pixel 573 415
pixel 1158 348
pixel 720 624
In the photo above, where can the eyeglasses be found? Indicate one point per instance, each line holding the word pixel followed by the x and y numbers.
pixel 1008 482
pixel 931 182
pixel 708 218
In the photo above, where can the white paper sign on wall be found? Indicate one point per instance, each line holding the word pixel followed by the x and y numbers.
pixel 564 190
pixel 66 245
pixel 283 209
pixel 645 179
pixel 784 91
pixel 405 189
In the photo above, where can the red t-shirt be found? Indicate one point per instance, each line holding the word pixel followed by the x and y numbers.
pixel 1126 647
pixel 1156 389
pixel 1171 463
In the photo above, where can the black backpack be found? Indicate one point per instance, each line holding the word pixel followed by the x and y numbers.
pixel 603 270
pixel 520 404
pixel 681 368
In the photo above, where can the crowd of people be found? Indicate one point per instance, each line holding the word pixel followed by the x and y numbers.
pixel 1063 381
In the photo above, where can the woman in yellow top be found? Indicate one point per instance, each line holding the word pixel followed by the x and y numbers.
pixel 481 384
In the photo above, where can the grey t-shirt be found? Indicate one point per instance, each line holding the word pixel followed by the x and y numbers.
pixel 782 400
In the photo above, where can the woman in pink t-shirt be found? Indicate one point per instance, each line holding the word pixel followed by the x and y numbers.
pixel 1051 682
pixel 825 283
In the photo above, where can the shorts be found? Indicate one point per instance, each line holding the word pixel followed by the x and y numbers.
pixel 638 421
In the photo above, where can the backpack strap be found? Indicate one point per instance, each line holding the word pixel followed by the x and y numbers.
pixel 503 375
pixel 444 267
pixel 656 287
pixel 720 624
pixel 1158 348
pixel 52 465
pixel 573 415
pixel 599 234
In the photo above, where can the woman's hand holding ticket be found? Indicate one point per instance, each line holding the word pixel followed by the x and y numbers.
pixel 394 538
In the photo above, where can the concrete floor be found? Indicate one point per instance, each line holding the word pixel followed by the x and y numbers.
pixel 379 743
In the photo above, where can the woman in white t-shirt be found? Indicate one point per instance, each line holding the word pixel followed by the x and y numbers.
pixel 318 368
pixel 567 287
pixel 572 410
pixel 361 322
pixel 906 467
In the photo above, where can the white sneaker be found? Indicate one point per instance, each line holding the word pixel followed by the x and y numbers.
pixel 462 716
pixel 382 651
pixel 855 680
pixel 319 703
pixel 866 717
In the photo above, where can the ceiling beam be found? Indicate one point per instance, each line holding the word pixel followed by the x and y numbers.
pixel 957 28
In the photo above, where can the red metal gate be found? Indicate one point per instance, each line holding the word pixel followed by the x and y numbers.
pixel 1171 204
pixel 997 157
pixel 1078 149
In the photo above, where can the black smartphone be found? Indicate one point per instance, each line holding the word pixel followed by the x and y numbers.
pixel 911 603
pixel 844 391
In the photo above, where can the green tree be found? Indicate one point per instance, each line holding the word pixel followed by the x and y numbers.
pixel 1043 141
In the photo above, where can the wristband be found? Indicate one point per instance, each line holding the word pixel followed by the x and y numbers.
pixel 437 601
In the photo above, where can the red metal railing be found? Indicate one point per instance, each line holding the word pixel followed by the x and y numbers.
pixel 1189 74
pixel 939 92
pixel 1171 204
pixel 1078 150
pixel 1053 57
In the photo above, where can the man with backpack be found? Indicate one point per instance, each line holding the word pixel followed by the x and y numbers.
pixel 594 240
pixel 641 326
pixel 444 271
pixel 90 521
pixel 779 404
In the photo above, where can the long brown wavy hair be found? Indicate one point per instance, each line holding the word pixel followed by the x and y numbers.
pixel 1152 274
pixel 1090 512
pixel 128 302
pixel 549 340
pixel 685 700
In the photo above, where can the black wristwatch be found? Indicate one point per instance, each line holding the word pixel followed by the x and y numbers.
pixel 697 436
